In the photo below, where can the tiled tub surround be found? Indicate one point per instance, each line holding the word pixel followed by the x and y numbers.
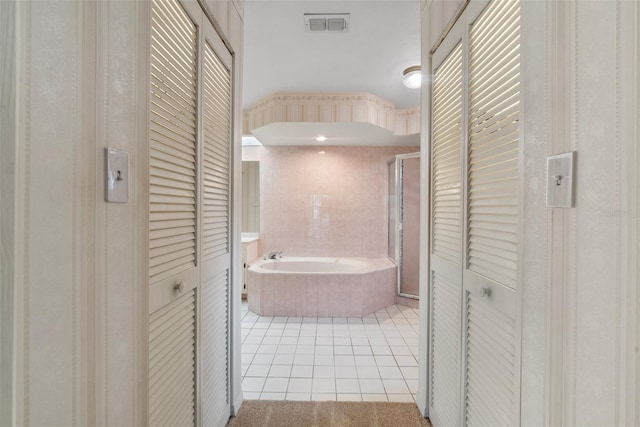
pixel 331 204
pixel 357 287
pixel 372 358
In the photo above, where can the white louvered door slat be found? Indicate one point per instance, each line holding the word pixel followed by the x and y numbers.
pixel 445 296
pixel 173 229
pixel 216 223
pixel 172 376
pixel 491 315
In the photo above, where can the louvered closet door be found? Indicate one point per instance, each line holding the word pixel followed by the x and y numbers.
pixel 445 296
pixel 491 314
pixel 173 270
pixel 215 214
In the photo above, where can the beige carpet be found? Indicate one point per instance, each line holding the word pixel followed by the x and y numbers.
pixel 271 413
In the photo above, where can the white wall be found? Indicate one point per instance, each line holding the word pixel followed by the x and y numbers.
pixel 77 265
pixel 580 297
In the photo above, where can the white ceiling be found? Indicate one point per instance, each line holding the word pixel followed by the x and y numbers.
pixel 383 40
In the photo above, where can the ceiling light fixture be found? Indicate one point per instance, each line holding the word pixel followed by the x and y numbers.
pixel 321 138
pixel 412 77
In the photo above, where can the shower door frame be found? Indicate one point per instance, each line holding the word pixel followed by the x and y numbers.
pixel 399 158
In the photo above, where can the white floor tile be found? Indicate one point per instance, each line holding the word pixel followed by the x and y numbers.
pixel 258 371
pixel 400 351
pixel 346 372
pixel 324 349
pixel 409 372
pixel 299 385
pixel 323 397
pixel 323 359
pixel 280 371
pixel 300 371
pixel 365 361
pixel 342 341
pixel 395 341
pixel 303 359
pixel 253 340
pixel 371 385
pixel 344 360
pixel 324 372
pixel 270 340
pixel 349 397
pixel 361 350
pixel 386 361
pixel 250 348
pixel 391 386
pixel 368 372
pixel 374 397
pixel 266 349
pixel 286 349
pixel 343 349
pixel 362 341
pixel 406 361
pixel 347 385
pixel 298 396
pixel 413 385
pixel 307 341
pixel 381 350
pixel 390 373
pixel 276 385
pixel 253 384
pixel 324 341
pixel 263 359
pixel 250 395
pixel 283 359
pixel 400 397
pixel 299 358
pixel 272 396
pixel 305 349
pixel 323 385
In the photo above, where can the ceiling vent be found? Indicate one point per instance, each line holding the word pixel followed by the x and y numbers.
pixel 334 22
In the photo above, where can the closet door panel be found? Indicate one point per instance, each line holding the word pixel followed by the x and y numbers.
pixel 445 296
pixel 173 222
pixel 216 225
pixel 491 286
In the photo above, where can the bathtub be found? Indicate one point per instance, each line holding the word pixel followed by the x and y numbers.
pixel 321 287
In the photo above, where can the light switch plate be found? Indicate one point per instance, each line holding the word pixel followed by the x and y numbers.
pixel 560 180
pixel 116 176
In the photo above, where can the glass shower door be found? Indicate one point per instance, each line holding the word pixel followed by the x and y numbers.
pixel 404 221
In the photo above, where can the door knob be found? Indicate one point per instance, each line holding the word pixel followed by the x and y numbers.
pixel 179 287
pixel 485 291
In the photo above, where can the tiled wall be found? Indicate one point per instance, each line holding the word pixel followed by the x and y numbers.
pixel 331 204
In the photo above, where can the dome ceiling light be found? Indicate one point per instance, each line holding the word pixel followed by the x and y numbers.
pixel 412 77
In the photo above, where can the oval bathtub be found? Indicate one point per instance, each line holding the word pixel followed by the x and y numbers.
pixel 321 287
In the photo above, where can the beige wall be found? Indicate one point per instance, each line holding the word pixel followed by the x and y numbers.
pixel 334 204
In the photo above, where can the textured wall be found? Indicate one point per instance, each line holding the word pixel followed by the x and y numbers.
pixel 325 205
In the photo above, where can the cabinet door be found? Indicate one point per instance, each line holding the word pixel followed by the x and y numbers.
pixel 445 296
pixel 173 269
pixel 491 284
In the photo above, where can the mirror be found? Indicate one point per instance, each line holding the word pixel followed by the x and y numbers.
pixel 250 197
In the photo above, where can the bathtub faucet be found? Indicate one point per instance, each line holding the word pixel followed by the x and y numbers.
pixel 274 255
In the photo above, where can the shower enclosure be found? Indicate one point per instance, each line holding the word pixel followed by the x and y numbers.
pixel 404 221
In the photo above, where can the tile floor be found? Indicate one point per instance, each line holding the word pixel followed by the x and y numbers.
pixel 373 358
